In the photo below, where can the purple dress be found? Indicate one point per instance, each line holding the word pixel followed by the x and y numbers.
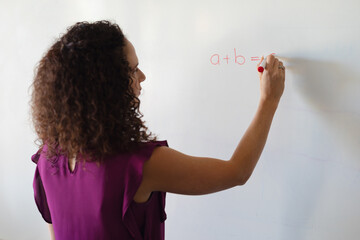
pixel 96 201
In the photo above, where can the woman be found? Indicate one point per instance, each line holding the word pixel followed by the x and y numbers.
pixel 99 174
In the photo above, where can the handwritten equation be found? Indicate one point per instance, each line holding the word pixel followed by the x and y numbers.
pixel 239 59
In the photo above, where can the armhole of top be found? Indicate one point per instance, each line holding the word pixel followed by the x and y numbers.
pixel 134 173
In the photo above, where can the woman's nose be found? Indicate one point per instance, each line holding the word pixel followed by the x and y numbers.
pixel 142 76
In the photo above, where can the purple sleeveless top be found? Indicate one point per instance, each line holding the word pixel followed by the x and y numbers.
pixel 96 201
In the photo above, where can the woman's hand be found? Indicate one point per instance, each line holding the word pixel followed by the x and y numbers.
pixel 272 80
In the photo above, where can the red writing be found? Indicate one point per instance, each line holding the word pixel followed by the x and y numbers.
pixel 239 59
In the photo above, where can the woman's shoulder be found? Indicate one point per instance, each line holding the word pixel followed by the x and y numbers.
pixel 149 147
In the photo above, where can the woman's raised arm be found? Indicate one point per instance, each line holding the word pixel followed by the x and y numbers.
pixel 169 170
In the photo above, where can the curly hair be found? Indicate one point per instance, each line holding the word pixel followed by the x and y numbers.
pixel 82 101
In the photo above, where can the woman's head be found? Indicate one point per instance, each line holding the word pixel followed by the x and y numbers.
pixel 85 93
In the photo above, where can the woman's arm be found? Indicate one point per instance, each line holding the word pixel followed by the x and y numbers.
pixel 51 229
pixel 171 171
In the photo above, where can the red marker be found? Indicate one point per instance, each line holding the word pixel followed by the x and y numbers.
pixel 262 66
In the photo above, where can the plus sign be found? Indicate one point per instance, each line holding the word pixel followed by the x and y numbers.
pixel 227 59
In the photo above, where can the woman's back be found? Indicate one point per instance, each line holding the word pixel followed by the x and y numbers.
pixel 95 201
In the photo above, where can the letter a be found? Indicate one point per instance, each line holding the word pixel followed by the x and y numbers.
pixel 218 59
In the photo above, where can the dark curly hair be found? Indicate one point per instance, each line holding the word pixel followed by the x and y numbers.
pixel 82 101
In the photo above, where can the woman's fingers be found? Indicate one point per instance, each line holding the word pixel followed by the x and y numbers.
pixel 270 61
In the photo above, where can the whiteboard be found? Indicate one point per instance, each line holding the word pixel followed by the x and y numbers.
pixel 201 92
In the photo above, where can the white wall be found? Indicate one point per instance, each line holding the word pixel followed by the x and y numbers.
pixel 306 185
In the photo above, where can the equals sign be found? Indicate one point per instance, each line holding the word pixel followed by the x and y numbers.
pixel 255 58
